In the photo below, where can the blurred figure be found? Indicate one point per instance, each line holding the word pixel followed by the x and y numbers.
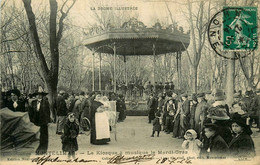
pixel 121 107
pixel 200 112
pixel 156 124
pixel 193 105
pixel 185 114
pixel 151 106
pixel 61 109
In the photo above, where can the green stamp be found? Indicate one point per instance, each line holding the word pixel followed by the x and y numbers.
pixel 240 28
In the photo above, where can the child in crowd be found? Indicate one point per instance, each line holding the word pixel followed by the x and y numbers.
pixel 214 145
pixel 192 144
pixel 156 124
pixel 69 138
pixel 242 144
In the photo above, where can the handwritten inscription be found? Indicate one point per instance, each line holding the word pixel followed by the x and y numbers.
pixel 119 159
pixel 173 160
pixel 42 160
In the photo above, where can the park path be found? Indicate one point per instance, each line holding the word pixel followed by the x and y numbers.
pixel 133 139
pixel 132 135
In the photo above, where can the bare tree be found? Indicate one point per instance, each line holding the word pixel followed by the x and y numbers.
pixel 50 73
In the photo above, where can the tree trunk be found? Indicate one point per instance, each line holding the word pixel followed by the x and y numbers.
pixel 195 80
pixel 52 94
pixel 230 81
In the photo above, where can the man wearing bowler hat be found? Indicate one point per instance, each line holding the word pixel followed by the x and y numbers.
pixel 41 117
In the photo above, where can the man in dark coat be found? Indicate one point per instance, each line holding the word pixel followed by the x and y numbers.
pixel 171 86
pixel 216 147
pixel 41 117
pixel 185 114
pixel 149 88
pixel 151 106
pixel 15 104
pixel 166 87
pixel 141 89
pixel 200 112
pixel 61 110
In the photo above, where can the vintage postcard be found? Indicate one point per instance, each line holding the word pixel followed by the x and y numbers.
pixel 130 82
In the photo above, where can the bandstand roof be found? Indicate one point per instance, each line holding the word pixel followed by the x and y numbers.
pixel 133 38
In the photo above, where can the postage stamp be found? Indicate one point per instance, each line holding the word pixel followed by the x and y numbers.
pixel 240 28
pixel 233 29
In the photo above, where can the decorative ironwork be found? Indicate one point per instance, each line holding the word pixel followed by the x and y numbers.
pixel 133 24
pixel 137 26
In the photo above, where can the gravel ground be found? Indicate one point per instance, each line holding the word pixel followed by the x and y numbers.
pixel 133 138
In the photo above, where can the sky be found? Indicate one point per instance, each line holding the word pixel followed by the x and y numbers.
pixel 147 10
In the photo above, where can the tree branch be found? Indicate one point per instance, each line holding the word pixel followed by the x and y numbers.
pixel 63 16
pixel 14 38
pixel 35 36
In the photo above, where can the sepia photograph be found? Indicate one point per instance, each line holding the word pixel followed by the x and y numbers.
pixel 144 82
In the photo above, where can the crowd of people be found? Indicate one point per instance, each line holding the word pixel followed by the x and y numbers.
pixel 208 126
pixel 136 90
pixel 73 113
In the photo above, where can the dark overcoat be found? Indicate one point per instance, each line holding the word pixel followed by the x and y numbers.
pixel 60 106
pixel 192 115
pixel 185 117
pixel 19 108
pixel 156 124
pixel 121 107
pixel 41 117
pixel 224 130
pixel 200 113
pixel 69 138
pixel 216 147
pixel 85 106
pixel 242 145
pixel 152 106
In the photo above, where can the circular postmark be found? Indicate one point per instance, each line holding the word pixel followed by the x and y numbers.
pixel 233 29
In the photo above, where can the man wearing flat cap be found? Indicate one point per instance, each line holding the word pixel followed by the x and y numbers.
pixel 40 110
